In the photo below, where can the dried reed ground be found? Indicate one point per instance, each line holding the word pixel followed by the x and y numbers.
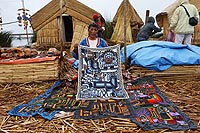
pixel 185 94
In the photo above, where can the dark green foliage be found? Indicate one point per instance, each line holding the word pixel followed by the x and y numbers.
pixel 6 39
pixel 108 31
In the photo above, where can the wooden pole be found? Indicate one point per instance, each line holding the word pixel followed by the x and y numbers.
pixel 23 6
pixel 61 39
pixel 165 25
pixel 1 22
pixel 147 16
pixel 125 60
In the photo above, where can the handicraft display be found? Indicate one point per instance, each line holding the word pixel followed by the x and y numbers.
pixel 104 108
pixel 151 109
pixel 35 106
pixel 100 75
pixel 63 99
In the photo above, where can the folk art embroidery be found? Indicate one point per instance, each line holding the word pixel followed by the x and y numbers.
pixel 100 75
pixel 104 108
pixel 102 93
pixel 151 109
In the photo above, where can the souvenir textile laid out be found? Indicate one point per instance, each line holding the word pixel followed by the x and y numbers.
pixel 104 108
pixel 35 106
pixel 146 106
pixel 151 109
pixel 63 98
pixel 100 75
pixel 57 98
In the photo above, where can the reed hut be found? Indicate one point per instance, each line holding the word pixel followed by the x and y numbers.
pixel 75 17
pixel 133 24
pixel 163 19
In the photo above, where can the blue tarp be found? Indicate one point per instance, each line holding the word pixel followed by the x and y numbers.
pixel 161 55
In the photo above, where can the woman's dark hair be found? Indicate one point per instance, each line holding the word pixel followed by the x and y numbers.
pixel 96 20
pixel 92 25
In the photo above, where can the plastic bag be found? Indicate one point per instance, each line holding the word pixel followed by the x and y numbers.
pixel 170 36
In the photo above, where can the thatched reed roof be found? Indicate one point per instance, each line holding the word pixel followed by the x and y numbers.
pixel 132 20
pixel 52 11
pixel 171 8
pixel 131 12
pixel 196 3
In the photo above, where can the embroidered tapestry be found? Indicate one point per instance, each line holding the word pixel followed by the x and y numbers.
pixel 35 106
pixel 104 108
pixel 99 74
pixel 64 99
pixel 151 109
pixel 47 105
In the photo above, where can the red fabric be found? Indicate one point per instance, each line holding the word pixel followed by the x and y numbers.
pixel 29 60
pixel 71 60
pixel 95 16
pixel 75 77
pixel 99 24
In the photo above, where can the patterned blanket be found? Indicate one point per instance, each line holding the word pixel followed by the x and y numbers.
pixel 151 109
pixel 59 97
pixel 35 106
pixel 100 75
pixel 104 108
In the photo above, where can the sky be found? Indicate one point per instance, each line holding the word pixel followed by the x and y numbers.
pixel 107 8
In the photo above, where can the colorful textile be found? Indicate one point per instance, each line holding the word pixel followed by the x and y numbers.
pixel 63 99
pixel 151 109
pixel 104 108
pixel 35 106
pixel 58 98
pixel 147 106
pixel 55 99
pixel 99 74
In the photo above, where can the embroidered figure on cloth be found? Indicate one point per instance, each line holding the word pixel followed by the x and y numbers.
pixel 100 75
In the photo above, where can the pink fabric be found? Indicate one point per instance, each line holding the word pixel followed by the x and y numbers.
pixel 170 36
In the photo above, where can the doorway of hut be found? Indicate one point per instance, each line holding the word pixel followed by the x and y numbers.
pixel 67 28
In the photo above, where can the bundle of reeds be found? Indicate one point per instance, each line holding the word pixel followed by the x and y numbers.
pixel 174 73
pixel 29 72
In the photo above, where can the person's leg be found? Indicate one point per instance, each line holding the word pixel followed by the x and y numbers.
pixel 179 38
pixel 188 39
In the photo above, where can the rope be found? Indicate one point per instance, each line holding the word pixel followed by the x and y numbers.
pixel 9 23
